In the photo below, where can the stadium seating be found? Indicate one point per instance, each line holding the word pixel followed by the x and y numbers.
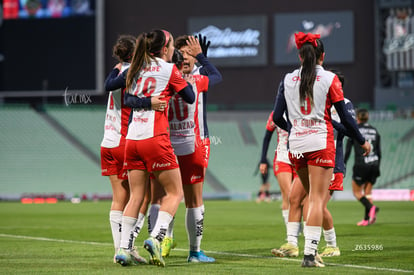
pixel 39 157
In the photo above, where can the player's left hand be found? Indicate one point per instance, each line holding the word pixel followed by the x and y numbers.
pixel 204 43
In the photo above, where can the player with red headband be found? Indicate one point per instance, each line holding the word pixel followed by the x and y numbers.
pixel 306 96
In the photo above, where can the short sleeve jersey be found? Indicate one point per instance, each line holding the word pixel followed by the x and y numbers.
pixel 183 119
pixel 158 78
pixel 116 117
pixel 312 129
pixel 282 153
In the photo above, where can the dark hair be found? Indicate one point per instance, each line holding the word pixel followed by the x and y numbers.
pixel 149 46
pixel 178 58
pixel 124 48
pixel 340 76
pixel 362 115
pixel 309 55
pixel 181 41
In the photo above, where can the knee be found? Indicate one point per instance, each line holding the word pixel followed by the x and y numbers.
pixel 294 202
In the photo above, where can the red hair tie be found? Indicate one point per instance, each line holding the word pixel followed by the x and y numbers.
pixel 301 38
pixel 167 37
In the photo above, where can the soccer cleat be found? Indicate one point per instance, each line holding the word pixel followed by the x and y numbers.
pixel 166 246
pixel 331 251
pixel 152 245
pixel 199 257
pixel 312 261
pixel 373 214
pixel 123 257
pixel 286 250
pixel 136 258
pixel 363 223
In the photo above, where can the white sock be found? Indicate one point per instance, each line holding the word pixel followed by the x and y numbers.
pixel 293 232
pixel 127 235
pixel 138 226
pixel 170 230
pixel 194 222
pixel 152 216
pixel 330 237
pixel 115 219
pixel 312 238
pixel 161 226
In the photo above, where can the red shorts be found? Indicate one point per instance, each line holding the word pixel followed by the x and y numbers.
pixel 283 167
pixel 337 182
pixel 112 160
pixel 206 151
pixel 323 158
pixel 192 166
pixel 152 154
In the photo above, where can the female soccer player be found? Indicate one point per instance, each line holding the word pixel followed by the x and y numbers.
pixel 366 168
pixel 148 147
pixel 113 143
pixel 306 95
pixel 187 143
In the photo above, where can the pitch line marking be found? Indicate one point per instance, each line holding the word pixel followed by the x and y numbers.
pixel 210 252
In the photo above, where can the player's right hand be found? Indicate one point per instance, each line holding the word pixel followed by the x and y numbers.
pixel 367 148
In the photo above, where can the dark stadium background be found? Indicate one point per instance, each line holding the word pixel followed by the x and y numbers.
pixel 245 87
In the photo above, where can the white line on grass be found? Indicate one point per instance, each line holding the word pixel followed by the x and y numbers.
pixel 210 252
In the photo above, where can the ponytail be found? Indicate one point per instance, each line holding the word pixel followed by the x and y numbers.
pixel 310 51
pixel 148 46
pixel 308 72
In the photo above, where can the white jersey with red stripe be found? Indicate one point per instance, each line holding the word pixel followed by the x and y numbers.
pixel 158 78
pixel 114 117
pixel 311 124
pixel 282 153
pixel 201 115
pixel 183 118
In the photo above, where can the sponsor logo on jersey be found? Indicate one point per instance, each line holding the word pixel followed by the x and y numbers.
pixel 139 119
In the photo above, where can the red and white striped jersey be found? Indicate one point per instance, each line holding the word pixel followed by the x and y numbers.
pixel 159 78
pixel 116 118
pixel 311 124
pixel 184 120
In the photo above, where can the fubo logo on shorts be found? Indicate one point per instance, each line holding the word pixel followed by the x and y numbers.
pixel 319 160
pixel 161 165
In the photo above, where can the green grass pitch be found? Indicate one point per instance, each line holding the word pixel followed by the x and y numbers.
pixel 66 238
